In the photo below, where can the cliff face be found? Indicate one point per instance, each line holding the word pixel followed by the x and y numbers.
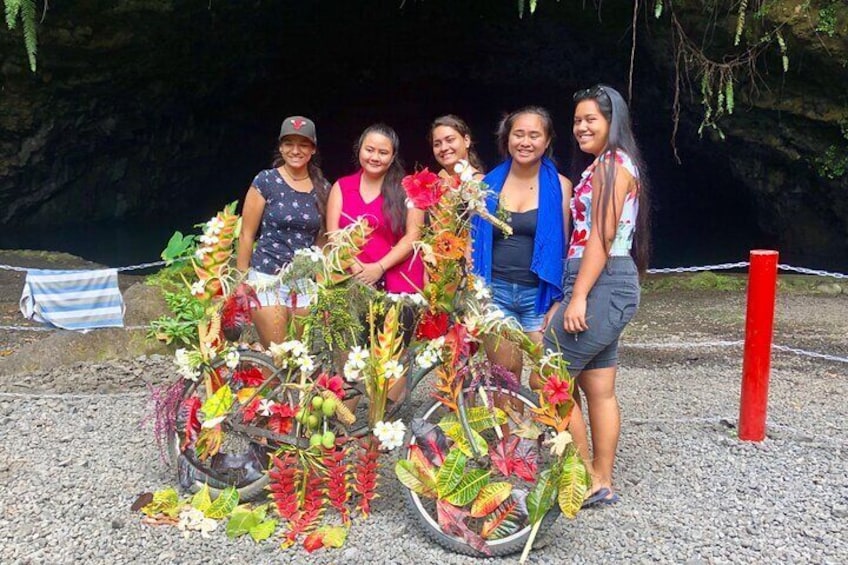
pixel 139 107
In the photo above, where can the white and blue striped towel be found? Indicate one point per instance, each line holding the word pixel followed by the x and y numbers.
pixel 73 300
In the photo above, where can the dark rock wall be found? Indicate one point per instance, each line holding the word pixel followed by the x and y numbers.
pixel 149 110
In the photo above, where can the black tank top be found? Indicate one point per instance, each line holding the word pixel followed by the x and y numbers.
pixel 513 255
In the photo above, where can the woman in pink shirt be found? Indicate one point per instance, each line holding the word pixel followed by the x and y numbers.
pixel 375 193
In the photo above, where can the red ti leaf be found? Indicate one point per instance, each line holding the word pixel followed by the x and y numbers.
pixel 431 439
pixel 452 522
pixel 188 414
pixel 525 458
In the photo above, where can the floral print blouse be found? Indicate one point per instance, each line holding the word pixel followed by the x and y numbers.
pixel 581 210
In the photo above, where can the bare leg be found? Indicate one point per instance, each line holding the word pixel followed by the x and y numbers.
pixel 580 434
pixel 605 419
pixel 271 323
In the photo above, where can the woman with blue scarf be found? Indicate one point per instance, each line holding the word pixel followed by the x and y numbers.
pixel 524 269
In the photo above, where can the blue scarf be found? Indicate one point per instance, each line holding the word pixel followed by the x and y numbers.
pixel 548 244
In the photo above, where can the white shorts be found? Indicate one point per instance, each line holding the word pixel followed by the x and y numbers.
pixel 272 293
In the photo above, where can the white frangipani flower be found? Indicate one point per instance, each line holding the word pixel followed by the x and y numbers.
pixel 232 358
pixel 358 357
pixel 390 434
pixel 393 369
pixel 185 365
pixel 198 288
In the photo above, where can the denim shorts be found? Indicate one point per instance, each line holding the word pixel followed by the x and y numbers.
pixel 272 293
pixel 611 304
pixel 518 301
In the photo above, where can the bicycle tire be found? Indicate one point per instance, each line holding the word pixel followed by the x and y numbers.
pixel 511 544
pixel 194 474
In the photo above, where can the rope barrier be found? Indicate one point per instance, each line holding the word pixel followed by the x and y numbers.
pixel 119 269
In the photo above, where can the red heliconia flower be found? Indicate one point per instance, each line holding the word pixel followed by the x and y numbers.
pixel 334 384
pixel 235 314
pixel 432 325
pixel 457 343
pixel 423 188
pixel 556 390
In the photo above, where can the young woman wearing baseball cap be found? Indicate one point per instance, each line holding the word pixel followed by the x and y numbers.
pixel 285 206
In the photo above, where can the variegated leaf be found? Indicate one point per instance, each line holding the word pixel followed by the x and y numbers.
pixel 468 487
pixel 450 473
pixel 489 498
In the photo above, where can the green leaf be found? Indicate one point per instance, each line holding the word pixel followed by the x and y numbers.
pixel 658 9
pixel 202 500
pixel 165 501
pixel 409 476
pixel 263 530
pixel 573 484
pixel 224 504
pixel 490 498
pixel 468 488
pixel 479 418
pixel 241 522
pixel 178 246
pixel 218 404
pixel 543 496
pixel 450 473
pixel 457 434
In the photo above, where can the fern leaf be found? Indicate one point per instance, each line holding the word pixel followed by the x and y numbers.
pixel 740 22
pixel 728 95
pixel 29 22
pixel 13 7
pixel 658 9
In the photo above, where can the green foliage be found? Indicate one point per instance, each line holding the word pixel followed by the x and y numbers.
pixel 25 11
pixel 828 22
pixel 181 327
pixel 833 164
pixel 180 247
pixel 246 521
pixel 223 505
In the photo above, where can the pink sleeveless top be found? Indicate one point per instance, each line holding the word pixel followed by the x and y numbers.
pixel 406 276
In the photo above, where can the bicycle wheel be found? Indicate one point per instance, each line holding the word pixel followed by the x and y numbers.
pixel 242 459
pixel 501 540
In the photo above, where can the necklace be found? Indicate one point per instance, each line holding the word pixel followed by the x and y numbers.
pixel 294 178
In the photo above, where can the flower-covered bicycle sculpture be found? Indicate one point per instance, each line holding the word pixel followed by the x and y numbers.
pixel 300 429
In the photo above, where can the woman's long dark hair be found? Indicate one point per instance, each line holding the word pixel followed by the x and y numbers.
pixel 614 109
pixel 394 196
pixel 320 184
pixel 507 122
pixel 458 124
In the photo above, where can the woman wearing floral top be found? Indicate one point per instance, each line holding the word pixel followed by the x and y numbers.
pixel 608 249
pixel 285 207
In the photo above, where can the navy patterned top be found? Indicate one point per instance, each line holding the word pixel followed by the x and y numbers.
pixel 290 222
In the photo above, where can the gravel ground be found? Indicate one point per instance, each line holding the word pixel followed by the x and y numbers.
pixel 691 491
pixel 73 458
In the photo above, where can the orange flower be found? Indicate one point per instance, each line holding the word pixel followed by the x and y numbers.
pixel 449 246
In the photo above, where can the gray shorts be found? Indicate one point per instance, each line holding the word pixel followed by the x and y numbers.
pixel 611 304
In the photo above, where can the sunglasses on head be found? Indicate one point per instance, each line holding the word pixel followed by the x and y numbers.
pixel 592 92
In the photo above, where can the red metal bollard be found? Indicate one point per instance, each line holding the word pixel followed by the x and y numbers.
pixel 759 324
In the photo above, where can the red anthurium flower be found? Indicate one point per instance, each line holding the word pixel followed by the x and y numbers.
pixel 423 188
pixel 281 418
pixel 556 390
pixel 432 325
pixel 249 377
pixel 334 384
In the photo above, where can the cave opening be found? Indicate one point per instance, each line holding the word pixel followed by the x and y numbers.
pixel 180 115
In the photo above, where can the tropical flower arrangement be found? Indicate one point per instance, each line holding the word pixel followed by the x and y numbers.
pixel 294 404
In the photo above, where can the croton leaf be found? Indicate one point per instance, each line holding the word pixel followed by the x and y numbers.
pixel 325 536
pixel 515 455
pixel 245 394
pixel 457 434
pixel 469 487
pixel 527 430
pixel 165 501
pixel 452 522
pixel 263 530
pixel 543 496
pixel 450 473
pixel 507 518
pixel 573 483
pixel 525 458
pixel 201 499
pixel 409 476
pixel 218 404
pixel 489 498
pixel 422 464
pixel 223 505
pixel 208 442
pixel 479 418
pixel 241 521
pixel 432 440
